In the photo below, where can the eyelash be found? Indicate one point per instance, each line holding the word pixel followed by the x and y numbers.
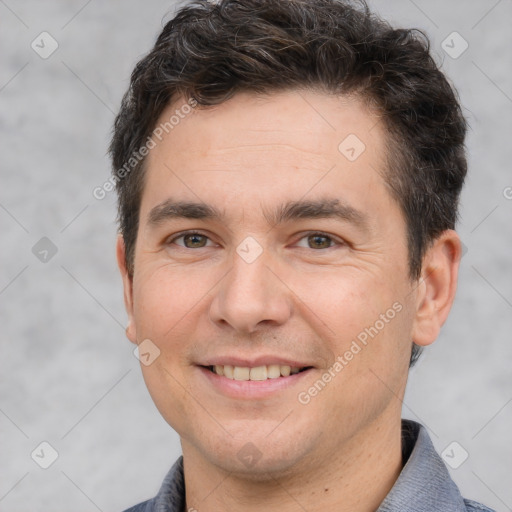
pixel 309 234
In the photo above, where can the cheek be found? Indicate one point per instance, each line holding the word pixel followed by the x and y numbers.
pixel 342 304
pixel 163 299
pixel 167 387
pixel 370 347
pixel 166 305
pixel 365 320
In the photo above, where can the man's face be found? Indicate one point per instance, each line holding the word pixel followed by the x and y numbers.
pixel 299 259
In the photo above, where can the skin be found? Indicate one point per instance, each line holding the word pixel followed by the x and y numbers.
pixel 303 298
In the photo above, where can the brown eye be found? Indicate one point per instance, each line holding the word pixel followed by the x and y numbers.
pixel 194 240
pixel 319 241
pixel 191 240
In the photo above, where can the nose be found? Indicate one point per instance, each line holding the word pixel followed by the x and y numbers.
pixel 251 295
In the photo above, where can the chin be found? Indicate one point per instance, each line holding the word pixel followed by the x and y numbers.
pixel 259 458
pixel 266 469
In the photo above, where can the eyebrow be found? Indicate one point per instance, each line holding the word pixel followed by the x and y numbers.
pixel 170 209
pixel 317 209
pixel 292 210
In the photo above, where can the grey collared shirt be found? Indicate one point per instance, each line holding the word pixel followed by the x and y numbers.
pixel 424 484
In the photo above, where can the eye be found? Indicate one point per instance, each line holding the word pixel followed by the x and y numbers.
pixel 318 241
pixel 191 240
pixel 197 240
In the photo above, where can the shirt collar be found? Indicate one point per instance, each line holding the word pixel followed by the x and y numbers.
pixel 171 496
pixel 424 484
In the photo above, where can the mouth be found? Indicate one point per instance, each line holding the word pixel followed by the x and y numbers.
pixel 256 373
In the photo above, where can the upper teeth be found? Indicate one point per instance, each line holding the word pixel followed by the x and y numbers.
pixel 271 371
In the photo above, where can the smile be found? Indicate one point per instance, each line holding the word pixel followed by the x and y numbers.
pixel 271 371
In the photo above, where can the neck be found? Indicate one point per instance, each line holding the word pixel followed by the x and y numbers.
pixel 357 477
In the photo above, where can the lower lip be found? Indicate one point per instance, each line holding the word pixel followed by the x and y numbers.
pixel 251 389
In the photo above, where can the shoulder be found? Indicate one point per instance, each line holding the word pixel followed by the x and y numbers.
pixel 473 506
pixel 425 483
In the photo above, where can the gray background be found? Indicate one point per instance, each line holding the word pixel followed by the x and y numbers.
pixel 69 376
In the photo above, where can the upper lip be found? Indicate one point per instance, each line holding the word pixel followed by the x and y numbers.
pixel 253 362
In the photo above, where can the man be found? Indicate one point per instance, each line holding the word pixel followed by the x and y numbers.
pixel 288 176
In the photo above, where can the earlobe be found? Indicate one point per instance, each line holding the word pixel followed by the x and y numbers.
pixel 436 288
pixel 131 332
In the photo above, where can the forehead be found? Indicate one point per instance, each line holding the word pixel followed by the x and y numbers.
pixel 292 144
pixel 313 120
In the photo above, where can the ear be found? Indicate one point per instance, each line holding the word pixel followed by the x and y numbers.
pixel 436 288
pixel 131 332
